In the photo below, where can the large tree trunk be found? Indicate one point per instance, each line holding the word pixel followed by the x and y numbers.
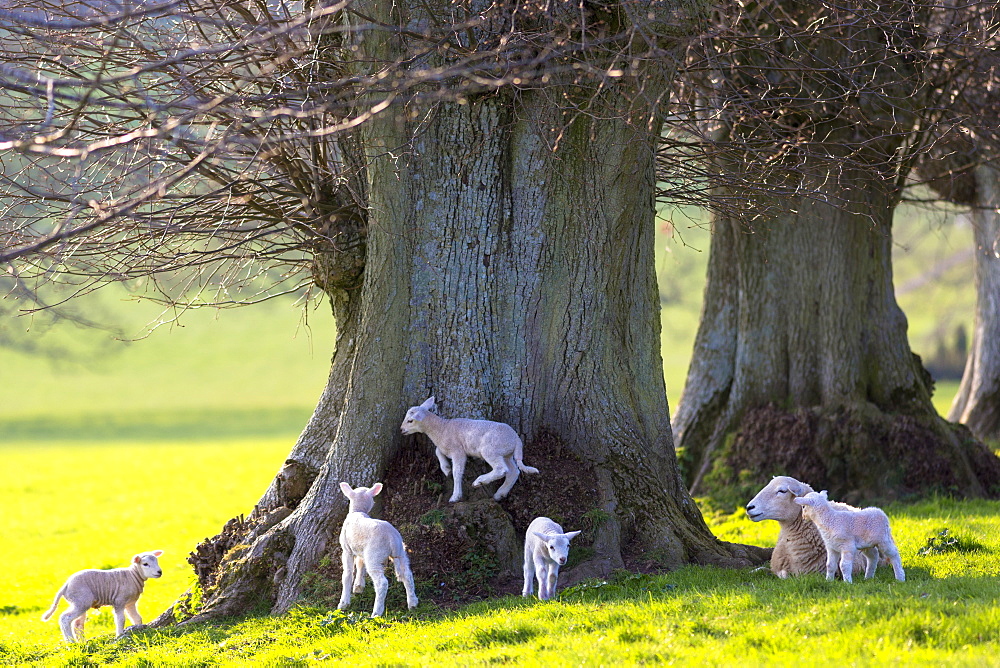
pixel 801 365
pixel 977 404
pixel 510 273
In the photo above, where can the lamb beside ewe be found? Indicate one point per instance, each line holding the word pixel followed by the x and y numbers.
pixel 94 588
pixel 848 531
pixel 459 438
pixel 546 548
pixel 800 547
pixel 366 544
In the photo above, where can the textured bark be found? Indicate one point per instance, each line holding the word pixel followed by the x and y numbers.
pixel 800 315
pixel 509 271
pixel 977 404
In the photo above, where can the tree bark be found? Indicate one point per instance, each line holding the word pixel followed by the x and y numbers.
pixel 801 364
pixel 977 404
pixel 509 271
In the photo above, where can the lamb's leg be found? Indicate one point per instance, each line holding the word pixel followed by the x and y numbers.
pixel 119 620
pixel 542 575
pixel 831 563
pixel 498 471
pixel 443 461
pixel 457 471
pixel 78 626
pixel 405 575
pixel 553 579
pixel 871 561
pixel 847 565
pixel 892 554
pixel 512 473
pixel 133 613
pixel 529 574
pixel 347 562
pixel 377 573
pixel 67 620
pixel 359 575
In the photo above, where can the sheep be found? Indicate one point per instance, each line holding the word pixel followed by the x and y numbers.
pixel 800 547
pixel 93 588
pixel 848 531
pixel 545 550
pixel 458 438
pixel 367 543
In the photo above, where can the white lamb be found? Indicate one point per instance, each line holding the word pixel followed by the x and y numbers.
pixel 93 588
pixel 459 438
pixel 366 544
pixel 847 531
pixel 546 548
pixel 800 547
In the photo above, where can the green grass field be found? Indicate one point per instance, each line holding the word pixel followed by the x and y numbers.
pixel 124 446
pixel 69 515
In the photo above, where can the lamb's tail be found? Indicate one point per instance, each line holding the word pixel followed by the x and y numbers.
pixel 55 604
pixel 518 454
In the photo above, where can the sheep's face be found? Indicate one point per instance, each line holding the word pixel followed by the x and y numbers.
pixel 557 545
pixel 777 500
pixel 415 416
pixel 149 564
pixel 362 499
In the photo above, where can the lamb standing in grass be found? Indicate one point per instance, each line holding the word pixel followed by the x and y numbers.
pixel 800 547
pixel 458 438
pixel 366 543
pixel 847 531
pixel 93 588
pixel 546 548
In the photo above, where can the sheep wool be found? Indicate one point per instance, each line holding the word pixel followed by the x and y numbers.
pixel 460 438
pixel 847 531
pixel 366 544
pixel 92 588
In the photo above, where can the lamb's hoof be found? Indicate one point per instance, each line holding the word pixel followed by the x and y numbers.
pixel 499 497
pixel 358 590
pixel 454 499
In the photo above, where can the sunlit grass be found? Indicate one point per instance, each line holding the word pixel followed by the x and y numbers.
pixel 69 506
pixel 86 504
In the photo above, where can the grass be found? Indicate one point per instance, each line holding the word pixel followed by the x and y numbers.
pixel 120 446
pixel 69 517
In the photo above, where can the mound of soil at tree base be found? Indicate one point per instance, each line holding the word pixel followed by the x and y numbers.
pixel 471 550
pixel 858 453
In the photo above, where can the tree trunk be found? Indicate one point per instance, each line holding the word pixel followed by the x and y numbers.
pixel 801 364
pixel 510 273
pixel 977 404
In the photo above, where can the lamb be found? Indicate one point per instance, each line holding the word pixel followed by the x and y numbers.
pixel 367 543
pixel 458 438
pixel 545 550
pixel 848 531
pixel 800 547
pixel 93 588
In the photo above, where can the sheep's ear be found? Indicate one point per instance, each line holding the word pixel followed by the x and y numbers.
pixel 823 494
pixel 544 537
pixel 375 489
pixel 429 404
pixel 801 500
pixel 571 535
pixel 137 558
pixel 346 489
pixel 156 553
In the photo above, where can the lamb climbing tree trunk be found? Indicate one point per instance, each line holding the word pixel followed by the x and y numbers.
pixel 977 404
pixel 509 272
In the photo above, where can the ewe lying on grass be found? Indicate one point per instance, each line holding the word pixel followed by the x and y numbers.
pixel 546 548
pixel 366 543
pixel 846 531
pixel 800 547
pixel 93 588
pixel 459 438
